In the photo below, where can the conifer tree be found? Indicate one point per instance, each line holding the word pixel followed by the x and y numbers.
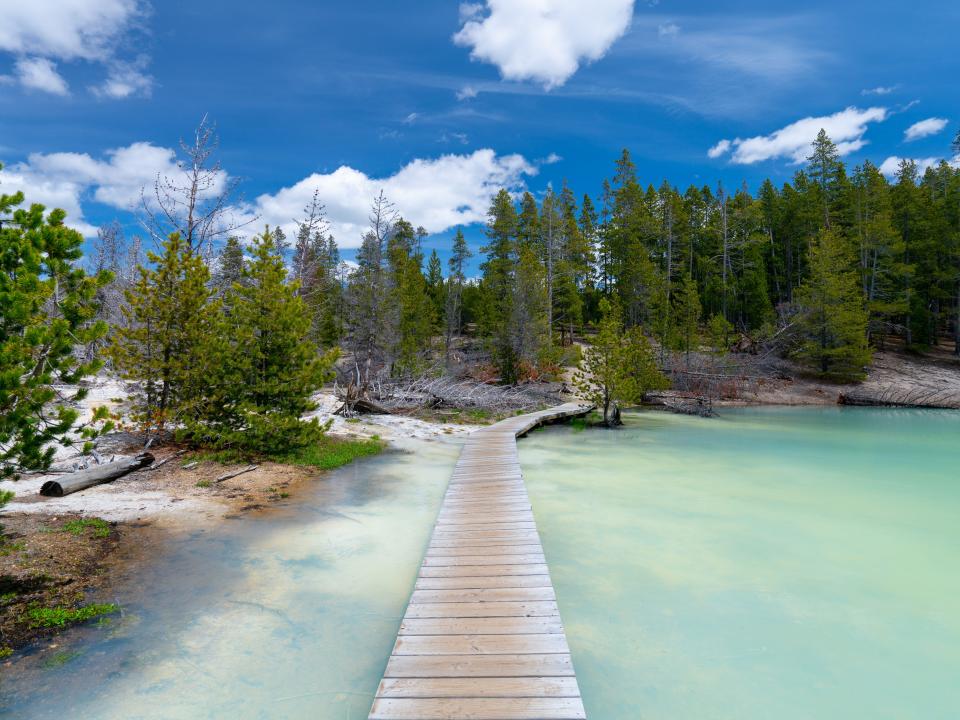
pixel 47 312
pixel 618 367
pixel 529 321
pixel 833 318
pixel 498 278
pixel 168 315
pixel 230 265
pixel 454 302
pixel 435 288
pixel 411 307
pixel 686 311
pixel 267 368
pixel 826 171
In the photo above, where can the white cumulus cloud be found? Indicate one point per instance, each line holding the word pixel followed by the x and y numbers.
pixel 438 193
pixel 846 128
pixel 542 40
pixel 924 128
pixel 40 74
pixel 719 150
pixel 70 30
pixel 68 180
pixel 891 166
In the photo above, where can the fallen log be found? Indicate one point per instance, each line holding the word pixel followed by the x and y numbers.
pixel 227 476
pixel 168 458
pixel 94 476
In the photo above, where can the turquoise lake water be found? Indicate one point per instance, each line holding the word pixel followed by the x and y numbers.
pixel 772 563
pixel 776 564
pixel 288 615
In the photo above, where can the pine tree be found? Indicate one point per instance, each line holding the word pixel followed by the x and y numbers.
pixel 454 301
pixel 267 368
pixel 47 312
pixel 435 288
pixel 686 313
pixel 168 315
pixel 230 265
pixel 618 367
pixel 327 299
pixel 498 282
pixel 529 320
pixel 411 307
pixel 833 319
pixel 366 318
pixel 881 252
pixel 827 171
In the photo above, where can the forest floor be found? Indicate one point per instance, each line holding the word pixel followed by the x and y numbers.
pixel 895 378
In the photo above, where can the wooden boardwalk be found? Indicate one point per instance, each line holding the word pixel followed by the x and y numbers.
pixel 482 637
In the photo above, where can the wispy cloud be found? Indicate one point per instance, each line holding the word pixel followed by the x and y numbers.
pixel 891 166
pixel 41 34
pixel 792 142
pixel 925 128
pixel 40 74
pixel 880 90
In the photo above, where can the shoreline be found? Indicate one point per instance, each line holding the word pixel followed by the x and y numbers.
pixel 145 508
pixel 115 528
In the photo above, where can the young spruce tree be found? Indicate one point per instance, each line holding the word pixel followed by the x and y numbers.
pixel 833 318
pixel 47 310
pixel 619 367
pixel 167 316
pixel 267 366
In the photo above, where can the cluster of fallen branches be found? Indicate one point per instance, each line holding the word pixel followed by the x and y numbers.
pixel 409 395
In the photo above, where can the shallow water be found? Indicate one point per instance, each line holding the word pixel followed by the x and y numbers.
pixel 288 615
pixel 772 563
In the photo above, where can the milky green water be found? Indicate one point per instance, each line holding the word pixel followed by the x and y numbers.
pixel 288 615
pixel 770 564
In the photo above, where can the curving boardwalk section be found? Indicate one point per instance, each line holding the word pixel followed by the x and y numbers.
pixel 482 637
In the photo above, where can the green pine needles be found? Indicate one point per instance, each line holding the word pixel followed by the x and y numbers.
pixel 47 311
pixel 236 371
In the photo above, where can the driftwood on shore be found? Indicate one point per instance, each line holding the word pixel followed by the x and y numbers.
pixel 235 473
pixel 400 396
pixel 83 479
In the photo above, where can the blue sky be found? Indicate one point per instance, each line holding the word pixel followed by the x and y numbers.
pixel 440 103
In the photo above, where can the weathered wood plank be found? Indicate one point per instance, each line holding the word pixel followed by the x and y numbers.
pixel 483 582
pixel 528 665
pixel 522 687
pixel 487 608
pixel 482 637
pixel 482 570
pixel 484 595
pixel 477 709
pixel 475 548
pixel 480 644
pixel 549 625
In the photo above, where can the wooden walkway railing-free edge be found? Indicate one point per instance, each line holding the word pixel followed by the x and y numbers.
pixel 482 637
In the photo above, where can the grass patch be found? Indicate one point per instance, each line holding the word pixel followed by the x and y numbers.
pixel 578 424
pixel 48 617
pixel 10 548
pixel 5 652
pixel 59 659
pixel 203 484
pixel 332 452
pixel 100 528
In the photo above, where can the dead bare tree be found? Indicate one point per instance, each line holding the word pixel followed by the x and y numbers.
pixel 198 203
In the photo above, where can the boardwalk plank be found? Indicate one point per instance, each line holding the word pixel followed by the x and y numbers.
pixel 482 637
